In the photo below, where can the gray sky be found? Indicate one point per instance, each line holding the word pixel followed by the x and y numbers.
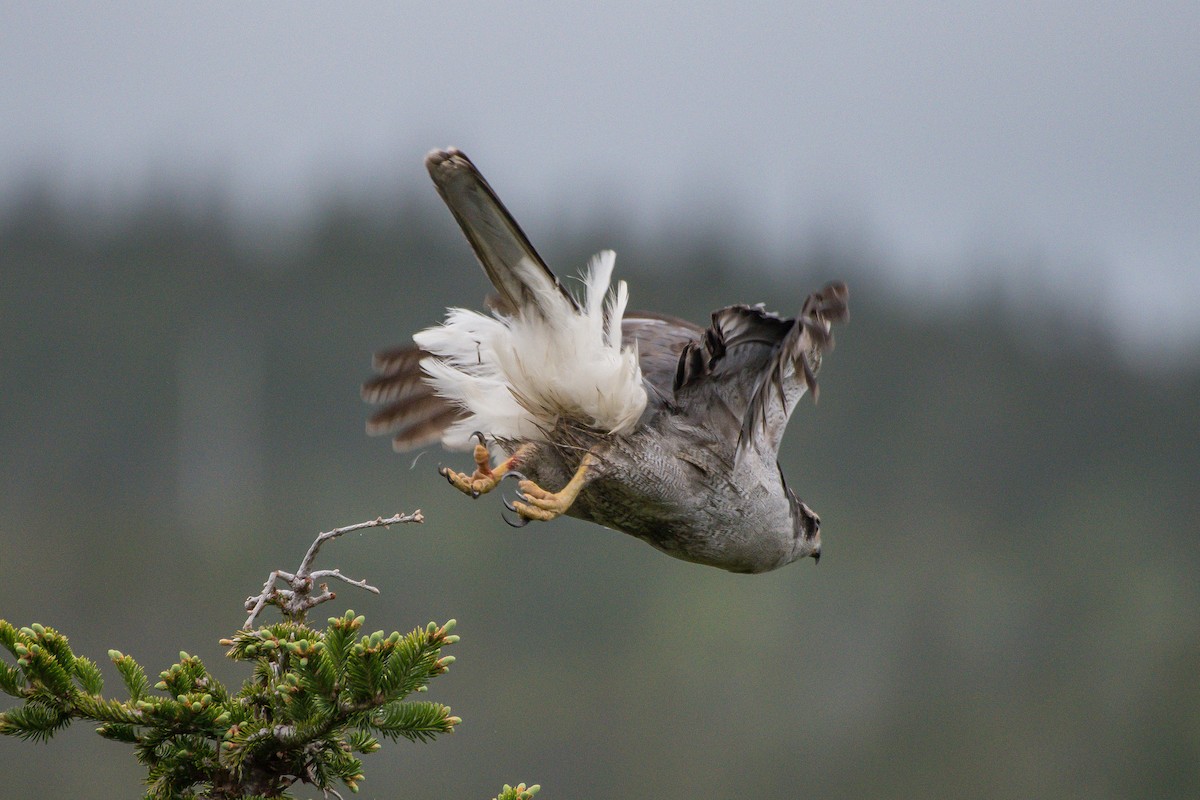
pixel 1064 133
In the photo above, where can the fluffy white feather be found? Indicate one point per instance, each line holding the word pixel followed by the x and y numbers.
pixel 516 376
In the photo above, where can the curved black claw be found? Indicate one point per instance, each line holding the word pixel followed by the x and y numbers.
pixel 481 437
pixel 524 520
pixel 512 473
pixel 445 473
pixel 520 497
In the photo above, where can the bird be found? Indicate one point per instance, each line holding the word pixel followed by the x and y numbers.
pixel 640 422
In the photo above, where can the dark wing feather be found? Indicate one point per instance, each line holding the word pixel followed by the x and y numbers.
pixel 520 276
pixel 660 340
pixel 412 414
pixel 746 372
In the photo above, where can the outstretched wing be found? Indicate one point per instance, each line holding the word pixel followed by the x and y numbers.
pixel 746 372
pixel 524 283
pixel 742 376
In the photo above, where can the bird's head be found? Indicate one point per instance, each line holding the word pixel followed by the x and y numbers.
pixel 806 530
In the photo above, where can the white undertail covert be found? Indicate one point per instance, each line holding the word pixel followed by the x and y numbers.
pixel 515 376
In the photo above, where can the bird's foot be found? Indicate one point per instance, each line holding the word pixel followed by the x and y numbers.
pixel 534 502
pixel 484 478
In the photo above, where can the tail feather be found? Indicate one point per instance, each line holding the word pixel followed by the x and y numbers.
pixel 514 267
pixel 540 357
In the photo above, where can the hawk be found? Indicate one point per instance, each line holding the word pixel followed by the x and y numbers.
pixel 636 421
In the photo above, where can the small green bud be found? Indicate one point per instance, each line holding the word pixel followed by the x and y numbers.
pixel 183 656
pixel 446 661
pixel 38 628
pixel 449 626
pixel 161 686
pixel 115 655
pixel 197 707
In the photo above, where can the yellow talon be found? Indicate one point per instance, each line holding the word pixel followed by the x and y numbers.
pixel 486 477
pixel 539 504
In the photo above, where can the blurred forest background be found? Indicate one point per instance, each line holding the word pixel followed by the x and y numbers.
pixel 211 216
pixel 1006 607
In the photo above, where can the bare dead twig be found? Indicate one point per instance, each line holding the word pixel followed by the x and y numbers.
pixel 298 598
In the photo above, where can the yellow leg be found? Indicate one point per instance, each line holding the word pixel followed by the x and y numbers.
pixel 539 504
pixel 486 477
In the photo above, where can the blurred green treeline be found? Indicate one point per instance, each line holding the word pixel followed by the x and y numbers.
pixel 1007 606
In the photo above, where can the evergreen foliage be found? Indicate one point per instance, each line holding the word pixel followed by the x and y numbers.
pixel 316 700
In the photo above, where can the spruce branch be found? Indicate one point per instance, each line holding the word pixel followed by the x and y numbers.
pixel 317 698
pixel 295 601
pixel 316 701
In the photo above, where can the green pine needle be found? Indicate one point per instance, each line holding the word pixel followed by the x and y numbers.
pixel 88 675
pixel 314 701
pixel 132 675
pixel 10 680
pixel 9 637
pixel 33 721
pixel 415 721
